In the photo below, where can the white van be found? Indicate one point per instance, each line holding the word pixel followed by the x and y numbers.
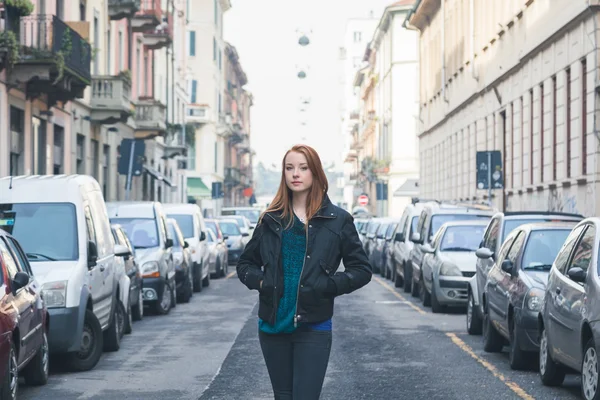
pixel 63 227
pixel 191 222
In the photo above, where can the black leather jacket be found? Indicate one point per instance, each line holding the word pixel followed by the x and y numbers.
pixel 331 237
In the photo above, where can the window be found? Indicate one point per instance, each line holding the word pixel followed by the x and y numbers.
pixel 9 261
pixel 542 132
pixel 583 117
pixel 531 144
pixel 105 170
pixel 216 158
pixel 108 52
pixel 505 247
pixel 192 43
pixel 582 256
pixel 220 59
pixel 17 146
pixel 95 155
pixel 121 53
pixel 22 262
pixel 59 139
pixel 554 113
pixel 216 8
pixel 357 37
pixel 82 10
pixel 522 142
pixel 490 240
pixel 516 247
pixel 186 224
pixel 462 238
pixel 568 122
pixel 567 247
pixel 80 154
pixel 39 134
pixel 542 247
pixel 142 232
pixel 96 44
pixel 214 49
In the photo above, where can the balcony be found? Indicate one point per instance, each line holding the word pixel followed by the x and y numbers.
pixel 53 59
pixel 150 116
pixel 232 176
pixel 148 17
pixel 119 9
pixel 157 38
pixel 243 146
pixel 111 99
pixel 175 145
pixel 198 114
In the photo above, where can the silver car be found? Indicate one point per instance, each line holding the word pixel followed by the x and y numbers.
pixel 569 321
pixel 217 255
pixel 448 264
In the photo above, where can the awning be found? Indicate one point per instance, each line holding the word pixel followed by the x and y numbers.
pixel 197 189
pixel 157 175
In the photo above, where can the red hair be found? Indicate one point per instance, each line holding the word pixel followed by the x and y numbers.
pixel 282 203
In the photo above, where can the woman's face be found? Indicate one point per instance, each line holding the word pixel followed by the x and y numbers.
pixel 298 176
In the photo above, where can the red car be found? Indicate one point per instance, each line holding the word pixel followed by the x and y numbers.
pixel 23 321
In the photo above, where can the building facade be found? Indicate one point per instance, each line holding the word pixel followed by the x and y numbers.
pixel 519 77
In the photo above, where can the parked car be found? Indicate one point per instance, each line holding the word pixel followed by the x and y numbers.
pixel 183 263
pixel 62 224
pixel 146 227
pixel 386 269
pixel 500 226
pixel 136 294
pixel 361 224
pixel 402 246
pixel 243 223
pixel 213 225
pixel 448 263
pixel 122 281
pixel 193 226
pixel 568 322
pixel 23 320
pixel 432 217
pixel 376 255
pixel 234 239
pixel 371 239
pixel 218 261
pixel 252 213
pixel 515 288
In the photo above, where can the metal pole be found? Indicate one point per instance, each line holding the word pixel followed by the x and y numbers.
pixel 489 163
pixel 130 171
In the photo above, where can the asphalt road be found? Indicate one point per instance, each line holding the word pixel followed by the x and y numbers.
pixel 385 346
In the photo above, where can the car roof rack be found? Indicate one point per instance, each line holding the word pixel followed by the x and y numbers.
pixel 416 200
pixel 564 214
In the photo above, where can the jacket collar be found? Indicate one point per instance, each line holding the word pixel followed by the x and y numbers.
pixel 327 211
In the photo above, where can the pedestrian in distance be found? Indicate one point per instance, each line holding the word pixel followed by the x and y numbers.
pixel 292 260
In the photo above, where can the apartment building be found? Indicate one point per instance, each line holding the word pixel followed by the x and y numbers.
pixel 205 113
pixel 238 153
pixel 515 76
pixel 88 75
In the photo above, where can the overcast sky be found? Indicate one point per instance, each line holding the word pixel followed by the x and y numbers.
pixel 265 35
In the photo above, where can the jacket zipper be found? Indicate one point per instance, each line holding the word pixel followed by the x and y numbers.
pixel 300 280
pixel 275 296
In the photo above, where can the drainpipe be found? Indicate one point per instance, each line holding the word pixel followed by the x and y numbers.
pixel 444 51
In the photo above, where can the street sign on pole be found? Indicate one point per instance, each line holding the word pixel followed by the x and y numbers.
pixel 363 200
pixel 131 162
pixel 489 170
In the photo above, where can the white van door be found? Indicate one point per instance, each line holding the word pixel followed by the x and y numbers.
pixel 96 278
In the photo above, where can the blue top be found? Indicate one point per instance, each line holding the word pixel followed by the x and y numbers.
pixel 293 250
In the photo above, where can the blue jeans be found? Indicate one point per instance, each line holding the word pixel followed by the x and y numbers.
pixel 296 362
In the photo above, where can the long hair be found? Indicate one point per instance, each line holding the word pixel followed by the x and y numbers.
pixel 282 203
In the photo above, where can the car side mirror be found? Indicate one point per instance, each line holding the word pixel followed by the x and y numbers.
pixel 186 245
pixel 122 251
pixel 203 236
pixel 20 280
pixel 508 266
pixel 225 237
pixel 399 237
pixel 577 275
pixel 416 238
pixel 245 234
pixel 168 243
pixel 92 254
pixel 484 253
pixel 427 248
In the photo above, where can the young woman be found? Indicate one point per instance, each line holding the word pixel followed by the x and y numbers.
pixel 293 260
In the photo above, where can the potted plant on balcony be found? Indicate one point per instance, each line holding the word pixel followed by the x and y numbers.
pixel 9 45
pixel 125 74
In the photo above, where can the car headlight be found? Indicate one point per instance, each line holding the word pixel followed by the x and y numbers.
pixel 534 299
pixel 55 294
pixel 450 270
pixel 150 269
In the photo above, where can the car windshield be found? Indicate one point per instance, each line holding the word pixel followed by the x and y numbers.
pixel 230 228
pixel 438 220
pixel 413 224
pixel 252 215
pixel 462 238
pixel 186 224
pixel 142 232
pixel 46 231
pixel 512 224
pixel 542 247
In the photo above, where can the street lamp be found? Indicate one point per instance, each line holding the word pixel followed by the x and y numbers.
pixel 301 74
pixel 304 41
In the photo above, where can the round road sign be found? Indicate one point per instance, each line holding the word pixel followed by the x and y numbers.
pixel 363 200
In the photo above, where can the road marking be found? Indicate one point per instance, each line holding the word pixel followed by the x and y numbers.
pixel 231 274
pixel 512 385
pixel 398 295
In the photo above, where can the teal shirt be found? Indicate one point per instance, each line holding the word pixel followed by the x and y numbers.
pixel 293 250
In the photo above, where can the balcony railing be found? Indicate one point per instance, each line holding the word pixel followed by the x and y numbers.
pixel 46 36
pixel 149 16
pixel 150 115
pixel 232 176
pixel 158 37
pixel 119 9
pixel 111 98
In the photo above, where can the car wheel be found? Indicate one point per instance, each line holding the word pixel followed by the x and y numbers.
pixel 415 289
pixel 474 324
pixel 138 309
pixel 197 278
pixel 589 372
pixel 115 331
pixel 10 386
pixel 407 281
pixel 517 358
pixel 551 373
pixel 187 290
pixel 36 372
pixel 436 307
pixel 92 342
pixel 206 281
pixel 424 294
pixel 220 271
pixel 128 328
pixel 398 281
pixel 492 341
pixel 163 306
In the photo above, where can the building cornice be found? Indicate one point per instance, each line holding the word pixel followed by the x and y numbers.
pixel 421 14
pixel 384 22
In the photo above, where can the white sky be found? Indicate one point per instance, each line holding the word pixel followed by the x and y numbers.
pixel 264 34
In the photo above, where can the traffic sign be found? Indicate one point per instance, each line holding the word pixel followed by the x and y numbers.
pixel 363 199
pixel 489 170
